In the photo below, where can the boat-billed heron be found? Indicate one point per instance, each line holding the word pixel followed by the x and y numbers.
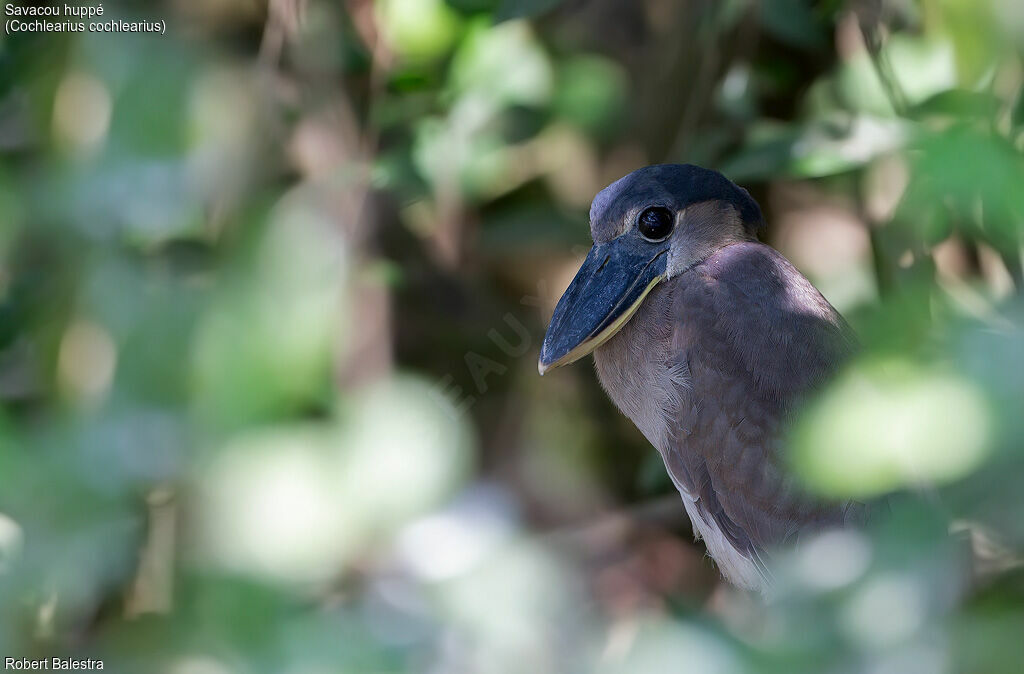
pixel 707 340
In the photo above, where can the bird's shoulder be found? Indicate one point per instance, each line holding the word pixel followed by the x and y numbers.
pixel 747 307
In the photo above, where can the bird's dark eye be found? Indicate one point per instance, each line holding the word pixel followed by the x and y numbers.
pixel 655 223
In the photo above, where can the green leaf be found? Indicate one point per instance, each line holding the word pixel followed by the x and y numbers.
pixel 794 23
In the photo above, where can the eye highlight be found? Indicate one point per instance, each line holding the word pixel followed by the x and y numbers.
pixel 655 223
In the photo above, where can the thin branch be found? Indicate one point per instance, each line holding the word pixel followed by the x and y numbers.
pixel 869 18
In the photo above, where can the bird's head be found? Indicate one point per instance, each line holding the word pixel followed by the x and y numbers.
pixel 656 223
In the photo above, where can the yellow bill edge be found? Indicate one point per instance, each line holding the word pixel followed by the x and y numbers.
pixel 600 338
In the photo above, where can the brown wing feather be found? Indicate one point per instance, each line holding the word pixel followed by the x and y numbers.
pixel 755 337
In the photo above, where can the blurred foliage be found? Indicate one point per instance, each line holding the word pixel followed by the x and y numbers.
pixel 271 291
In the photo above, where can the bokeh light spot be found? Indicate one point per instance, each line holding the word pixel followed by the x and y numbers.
pixel 81 111
pixel 889 423
pixel 87 360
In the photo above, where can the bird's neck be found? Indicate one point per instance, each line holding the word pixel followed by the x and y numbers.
pixel 636 370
